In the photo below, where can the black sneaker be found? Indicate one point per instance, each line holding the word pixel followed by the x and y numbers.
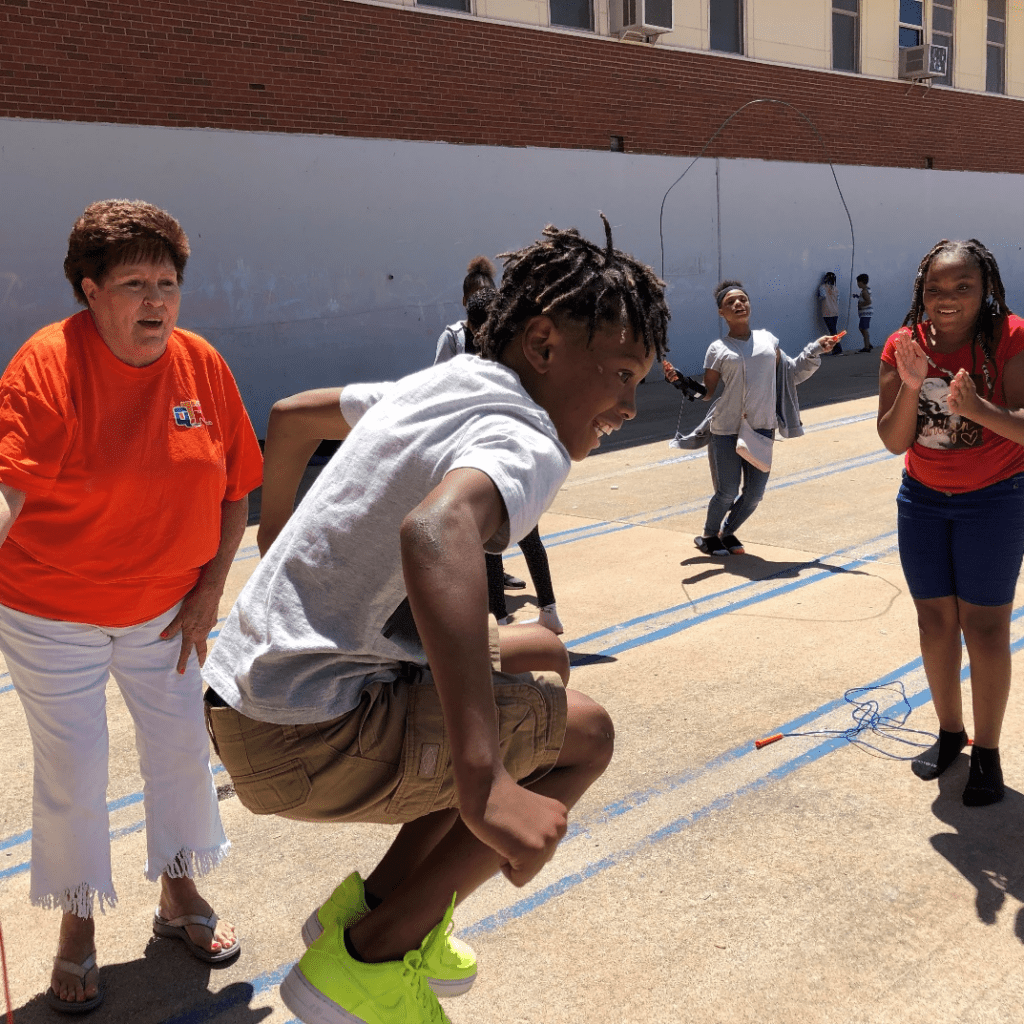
pixel 514 583
pixel 733 543
pixel 711 546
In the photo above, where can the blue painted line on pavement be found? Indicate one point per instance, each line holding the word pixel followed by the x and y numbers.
pixel 204 1014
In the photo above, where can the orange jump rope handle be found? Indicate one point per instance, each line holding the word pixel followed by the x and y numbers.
pixel 768 739
pixel 841 334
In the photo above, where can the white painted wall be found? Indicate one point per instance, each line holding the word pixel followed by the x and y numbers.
pixel 323 260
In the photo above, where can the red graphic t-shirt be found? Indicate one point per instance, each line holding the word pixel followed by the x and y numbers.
pixel 952 453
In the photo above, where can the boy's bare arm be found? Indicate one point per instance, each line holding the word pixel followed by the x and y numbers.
pixel 297 426
pixel 443 561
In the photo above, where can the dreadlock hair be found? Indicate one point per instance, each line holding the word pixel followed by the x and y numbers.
pixel 993 303
pixel 724 287
pixel 565 275
pixel 479 274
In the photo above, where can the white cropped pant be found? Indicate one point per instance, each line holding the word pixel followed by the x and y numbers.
pixel 60 670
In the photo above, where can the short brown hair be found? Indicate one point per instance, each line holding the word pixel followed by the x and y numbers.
pixel 116 231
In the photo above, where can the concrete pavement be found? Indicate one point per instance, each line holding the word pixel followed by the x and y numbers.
pixel 703 880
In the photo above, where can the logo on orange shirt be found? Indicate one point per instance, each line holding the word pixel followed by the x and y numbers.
pixel 190 414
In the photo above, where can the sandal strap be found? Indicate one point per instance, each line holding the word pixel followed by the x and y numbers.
pixel 187 919
pixel 77 970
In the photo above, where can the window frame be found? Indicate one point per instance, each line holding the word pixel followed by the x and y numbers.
pixel 853 16
pixel 948 37
pixel 456 6
pixel 910 26
pixel 995 46
pixel 574 25
pixel 741 24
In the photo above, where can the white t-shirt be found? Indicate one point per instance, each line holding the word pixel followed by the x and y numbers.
pixel 326 611
pixel 753 359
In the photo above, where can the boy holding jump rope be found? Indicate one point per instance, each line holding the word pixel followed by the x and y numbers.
pixel 358 677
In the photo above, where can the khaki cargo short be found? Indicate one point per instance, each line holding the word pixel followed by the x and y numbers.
pixel 388 760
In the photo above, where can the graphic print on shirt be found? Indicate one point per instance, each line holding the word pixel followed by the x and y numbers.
pixel 937 427
pixel 189 413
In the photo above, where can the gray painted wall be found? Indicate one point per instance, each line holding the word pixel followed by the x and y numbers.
pixel 323 260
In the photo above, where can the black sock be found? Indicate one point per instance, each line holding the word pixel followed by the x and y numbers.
pixel 352 952
pixel 985 784
pixel 373 902
pixel 940 755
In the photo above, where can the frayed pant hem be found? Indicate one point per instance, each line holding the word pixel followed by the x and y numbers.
pixel 191 863
pixel 79 901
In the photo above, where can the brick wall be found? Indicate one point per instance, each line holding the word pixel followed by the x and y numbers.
pixel 327 66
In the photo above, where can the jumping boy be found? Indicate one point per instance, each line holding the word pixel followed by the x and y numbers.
pixel 357 678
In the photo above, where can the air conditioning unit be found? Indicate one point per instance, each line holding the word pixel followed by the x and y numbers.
pixel 640 18
pixel 927 61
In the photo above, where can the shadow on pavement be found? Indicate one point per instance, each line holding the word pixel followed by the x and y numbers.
pixel 163 986
pixel 986 847
pixel 757 569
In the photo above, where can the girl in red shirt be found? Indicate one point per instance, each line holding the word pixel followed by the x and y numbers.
pixel 951 391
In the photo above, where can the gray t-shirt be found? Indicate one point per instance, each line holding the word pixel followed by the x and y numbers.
pixel 451 343
pixel 326 612
pixel 754 358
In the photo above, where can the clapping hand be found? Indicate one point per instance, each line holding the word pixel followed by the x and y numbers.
pixel 963 395
pixel 911 362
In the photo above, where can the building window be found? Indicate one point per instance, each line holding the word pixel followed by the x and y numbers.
pixel 911 23
pixel 727 26
pixel 846 35
pixel 942 35
pixel 572 14
pixel 995 57
pixel 448 5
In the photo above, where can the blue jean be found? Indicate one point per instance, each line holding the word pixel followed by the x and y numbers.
pixel 969 545
pixel 728 470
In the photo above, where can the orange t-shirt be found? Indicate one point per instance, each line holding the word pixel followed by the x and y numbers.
pixel 950 453
pixel 124 470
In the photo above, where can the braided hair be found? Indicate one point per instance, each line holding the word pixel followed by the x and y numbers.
pixel 564 274
pixel 993 303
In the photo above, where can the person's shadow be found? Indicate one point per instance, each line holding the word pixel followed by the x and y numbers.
pixel 163 986
pixel 758 569
pixel 986 847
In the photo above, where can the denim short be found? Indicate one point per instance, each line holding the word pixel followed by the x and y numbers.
pixel 865 323
pixel 968 545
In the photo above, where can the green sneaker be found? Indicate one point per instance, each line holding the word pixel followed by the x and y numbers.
pixel 451 963
pixel 328 987
pixel 344 907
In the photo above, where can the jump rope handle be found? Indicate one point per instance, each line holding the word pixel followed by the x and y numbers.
pixel 768 739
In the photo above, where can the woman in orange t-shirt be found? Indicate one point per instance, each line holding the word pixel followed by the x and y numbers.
pixel 961 505
pixel 126 459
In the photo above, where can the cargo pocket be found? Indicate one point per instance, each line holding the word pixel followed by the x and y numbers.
pixel 279 789
pixel 427 781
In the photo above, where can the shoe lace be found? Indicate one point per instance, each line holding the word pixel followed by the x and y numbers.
pixel 415 976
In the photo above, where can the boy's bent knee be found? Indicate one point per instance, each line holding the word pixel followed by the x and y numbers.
pixel 589 734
